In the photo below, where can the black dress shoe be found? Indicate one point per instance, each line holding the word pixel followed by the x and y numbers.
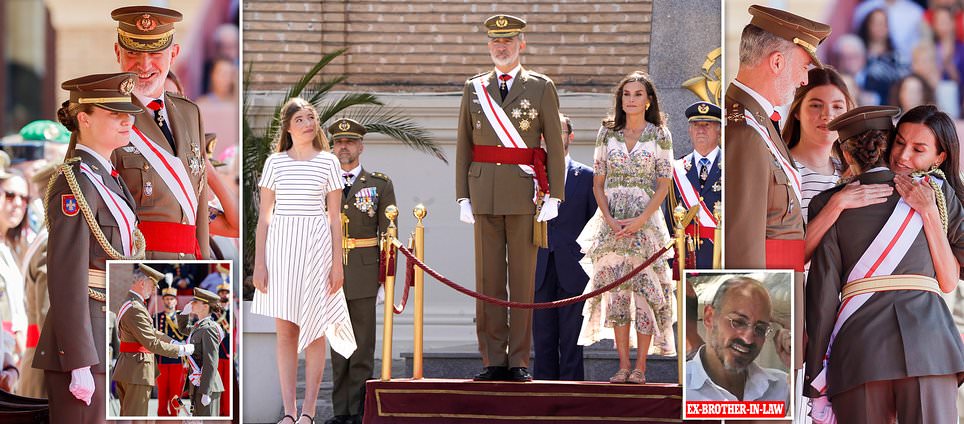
pixel 519 374
pixel 492 374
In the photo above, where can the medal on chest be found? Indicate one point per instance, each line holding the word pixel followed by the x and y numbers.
pixel 525 114
pixel 366 199
pixel 196 163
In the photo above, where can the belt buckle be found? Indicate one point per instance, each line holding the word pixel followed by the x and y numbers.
pixel 350 243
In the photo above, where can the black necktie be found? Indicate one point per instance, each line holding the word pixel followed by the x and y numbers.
pixel 504 85
pixel 348 176
pixel 156 106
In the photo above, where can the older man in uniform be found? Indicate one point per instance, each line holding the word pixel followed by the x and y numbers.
pixel 134 371
pixel 366 195
pixel 501 172
pixel 164 164
pixel 764 225
pixel 171 370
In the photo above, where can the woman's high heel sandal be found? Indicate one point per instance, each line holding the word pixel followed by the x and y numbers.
pixel 287 417
pixel 311 420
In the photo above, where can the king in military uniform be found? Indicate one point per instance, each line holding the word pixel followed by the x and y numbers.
pixel 171 378
pixel 134 371
pixel 366 195
pixel 502 176
pixel 164 163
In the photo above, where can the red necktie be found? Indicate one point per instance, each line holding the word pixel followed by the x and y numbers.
pixel 156 106
pixel 775 118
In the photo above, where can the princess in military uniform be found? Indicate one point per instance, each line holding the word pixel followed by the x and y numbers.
pixel 206 334
pixel 90 218
pixel 298 236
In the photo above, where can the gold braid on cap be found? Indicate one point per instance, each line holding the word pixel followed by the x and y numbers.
pixel 95 230
pixel 129 41
pixel 938 193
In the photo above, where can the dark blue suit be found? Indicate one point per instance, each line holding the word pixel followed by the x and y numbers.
pixel 559 276
pixel 704 255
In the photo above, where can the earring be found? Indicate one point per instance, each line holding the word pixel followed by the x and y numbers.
pixel 648 104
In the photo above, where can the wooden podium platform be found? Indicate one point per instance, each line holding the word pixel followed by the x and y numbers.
pixel 467 401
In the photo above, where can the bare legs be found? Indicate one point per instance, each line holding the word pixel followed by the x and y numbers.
pixel 622 347
pixel 287 353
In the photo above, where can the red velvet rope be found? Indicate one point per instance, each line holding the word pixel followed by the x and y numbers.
pixel 511 304
pixel 409 283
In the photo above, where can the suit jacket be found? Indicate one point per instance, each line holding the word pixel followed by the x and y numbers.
pixel 565 228
pixel 711 192
pixel 205 337
pixel 503 189
pixel 73 334
pixel 136 326
pixel 158 203
pixel 895 334
pixel 760 203
pixel 366 219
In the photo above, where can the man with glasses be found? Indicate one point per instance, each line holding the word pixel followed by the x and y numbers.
pixel 737 325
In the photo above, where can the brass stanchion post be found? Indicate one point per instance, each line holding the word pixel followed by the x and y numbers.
pixel 718 236
pixel 420 213
pixel 678 214
pixel 391 212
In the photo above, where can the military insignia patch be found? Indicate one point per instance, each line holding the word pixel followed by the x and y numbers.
pixel 687 165
pixel 717 187
pixel 148 189
pixel 68 205
pixel 524 125
pixel 131 149
pixel 516 113
pixel 195 162
pixel 146 23
pixel 127 86
pixel 525 103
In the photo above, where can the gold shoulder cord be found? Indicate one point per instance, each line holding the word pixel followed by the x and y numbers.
pixel 95 230
pixel 938 193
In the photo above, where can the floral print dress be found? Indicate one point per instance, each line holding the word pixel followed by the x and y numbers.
pixel 646 299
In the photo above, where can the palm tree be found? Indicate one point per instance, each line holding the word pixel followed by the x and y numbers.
pixel 366 108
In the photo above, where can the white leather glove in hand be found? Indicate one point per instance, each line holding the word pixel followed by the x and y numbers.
pixel 465 211
pixel 187 309
pixel 186 349
pixel 380 296
pixel 82 384
pixel 550 209
pixel 205 400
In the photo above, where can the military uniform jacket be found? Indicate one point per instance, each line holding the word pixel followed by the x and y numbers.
pixel 711 192
pixel 167 324
pixel 155 200
pixel 760 203
pixel 896 334
pixel 135 326
pixel 364 205
pixel 73 334
pixel 205 336
pixel 503 189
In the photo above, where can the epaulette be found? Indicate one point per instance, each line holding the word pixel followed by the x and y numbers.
pixel 381 176
pixel 735 113
pixel 477 75
pixel 539 76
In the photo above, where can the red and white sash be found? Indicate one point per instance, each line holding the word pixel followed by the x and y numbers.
pixel 792 174
pixel 688 192
pixel 881 258
pixel 123 309
pixel 499 121
pixel 171 170
pixel 118 207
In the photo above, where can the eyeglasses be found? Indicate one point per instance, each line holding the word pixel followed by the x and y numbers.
pixel 11 196
pixel 760 330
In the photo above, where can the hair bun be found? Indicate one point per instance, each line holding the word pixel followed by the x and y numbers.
pixel 63 115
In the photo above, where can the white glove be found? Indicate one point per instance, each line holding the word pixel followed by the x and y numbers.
pixel 82 384
pixel 380 297
pixel 186 349
pixel 205 400
pixel 187 309
pixel 550 209
pixel 465 212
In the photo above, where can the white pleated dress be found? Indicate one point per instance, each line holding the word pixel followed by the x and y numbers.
pixel 298 251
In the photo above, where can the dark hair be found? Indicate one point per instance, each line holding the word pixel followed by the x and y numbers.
pixel 868 149
pixel 933 22
pixel 818 78
pixel 617 121
pixel 864 30
pixel 67 115
pixel 946 133
pixel 290 108
pixel 926 90
pixel 15 234
pixel 568 122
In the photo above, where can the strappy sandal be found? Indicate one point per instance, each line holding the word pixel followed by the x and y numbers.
pixel 282 420
pixel 311 420
pixel 636 377
pixel 620 376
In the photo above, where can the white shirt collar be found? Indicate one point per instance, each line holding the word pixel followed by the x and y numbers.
pixel 145 100
pixel 761 383
pixel 768 107
pixel 514 72
pixel 103 162
pixel 354 174
pixel 711 156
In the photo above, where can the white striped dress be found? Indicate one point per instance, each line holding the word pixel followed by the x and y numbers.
pixel 813 183
pixel 298 251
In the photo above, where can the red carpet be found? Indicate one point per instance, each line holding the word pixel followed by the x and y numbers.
pixel 466 401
